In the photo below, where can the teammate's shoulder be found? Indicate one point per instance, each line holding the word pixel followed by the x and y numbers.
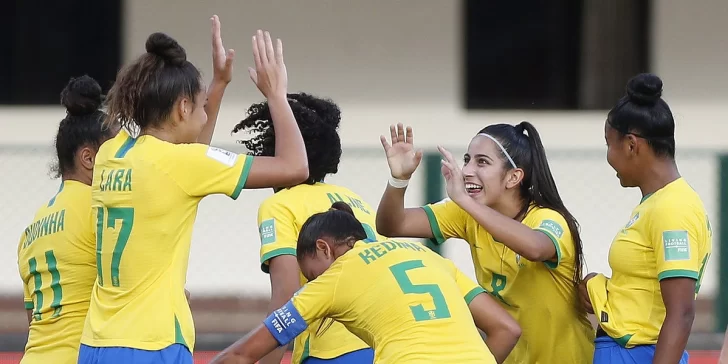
pixel 538 213
pixel 679 195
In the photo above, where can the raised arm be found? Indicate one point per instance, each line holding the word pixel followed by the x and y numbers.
pixel 289 166
pixel 222 74
pixel 393 219
pixel 534 245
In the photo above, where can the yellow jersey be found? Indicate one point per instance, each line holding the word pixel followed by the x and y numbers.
pixel 536 294
pixel 667 236
pixel 280 218
pixel 57 262
pixel 145 194
pixel 425 318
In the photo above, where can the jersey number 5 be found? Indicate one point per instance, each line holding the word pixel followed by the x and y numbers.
pixel 440 310
pixel 120 219
pixel 55 285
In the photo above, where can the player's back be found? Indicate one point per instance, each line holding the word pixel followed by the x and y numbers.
pixel 145 197
pixel 281 217
pixel 405 301
pixel 57 262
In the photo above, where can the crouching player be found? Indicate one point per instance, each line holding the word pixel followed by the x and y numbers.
pixel 408 303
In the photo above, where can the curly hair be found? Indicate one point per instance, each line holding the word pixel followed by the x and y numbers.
pixel 317 118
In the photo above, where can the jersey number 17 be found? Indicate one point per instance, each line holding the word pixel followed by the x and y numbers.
pixel 120 219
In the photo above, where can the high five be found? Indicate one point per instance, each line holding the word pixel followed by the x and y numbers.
pixel 523 240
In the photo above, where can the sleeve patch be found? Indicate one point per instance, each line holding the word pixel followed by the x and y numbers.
pixel 223 156
pixel 553 227
pixel 285 323
pixel 267 231
pixel 676 244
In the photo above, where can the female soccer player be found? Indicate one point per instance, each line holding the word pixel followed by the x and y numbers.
pixel 281 216
pixel 56 254
pixel 427 314
pixel 646 308
pixel 524 242
pixel 146 190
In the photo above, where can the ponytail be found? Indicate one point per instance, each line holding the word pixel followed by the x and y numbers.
pixel 522 144
pixel 544 193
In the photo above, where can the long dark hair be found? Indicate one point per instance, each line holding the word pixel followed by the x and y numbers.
pixel 538 187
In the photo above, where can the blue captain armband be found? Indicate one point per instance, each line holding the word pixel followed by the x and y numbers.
pixel 285 323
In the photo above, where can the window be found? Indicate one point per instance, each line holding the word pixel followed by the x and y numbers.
pixel 51 42
pixel 560 54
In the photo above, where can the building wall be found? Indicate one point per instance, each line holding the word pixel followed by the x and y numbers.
pixel 387 62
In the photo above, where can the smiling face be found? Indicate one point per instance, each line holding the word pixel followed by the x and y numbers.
pixel 488 175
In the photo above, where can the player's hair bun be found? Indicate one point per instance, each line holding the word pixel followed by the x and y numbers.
pixel 342 206
pixel 644 89
pixel 81 96
pixel 167 48
pixel 328 112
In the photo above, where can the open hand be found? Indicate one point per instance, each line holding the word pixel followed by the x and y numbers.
pixel 222 60
pixel 401 155
pixel 270 73
pixel 454 180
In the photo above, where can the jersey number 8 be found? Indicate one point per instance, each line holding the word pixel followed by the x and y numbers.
pixel 112 217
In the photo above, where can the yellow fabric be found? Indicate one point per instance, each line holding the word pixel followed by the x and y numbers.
pixel 145 197
pixel 667 236
pixel 280 218
pixel 57 262
pixel 424 319
pixel 536 294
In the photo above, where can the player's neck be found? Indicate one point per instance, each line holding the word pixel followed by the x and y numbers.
pixel 164 134
pixel 510 207
pixel 657 175
pixel 84 178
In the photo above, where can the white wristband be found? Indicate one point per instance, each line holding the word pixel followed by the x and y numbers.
pixel 398 183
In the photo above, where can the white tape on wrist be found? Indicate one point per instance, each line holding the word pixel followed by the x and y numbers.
pixel 398 183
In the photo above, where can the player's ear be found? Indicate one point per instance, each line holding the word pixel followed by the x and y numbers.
pixel 514 177
pixel 323 247
pixel 183 108
pixel 85 157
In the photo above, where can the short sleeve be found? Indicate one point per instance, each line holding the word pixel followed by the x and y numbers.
pixel 676 237
pixel 201 170
pixel 446 220
pixel 313 301
pixel 554 226
pixel 317 298
pixel 278 233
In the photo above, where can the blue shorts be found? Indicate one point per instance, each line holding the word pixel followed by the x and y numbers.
pixel 362 356
pixel 173 354
pixel 607 351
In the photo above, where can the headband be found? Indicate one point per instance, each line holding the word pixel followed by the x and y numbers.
pixel 501 148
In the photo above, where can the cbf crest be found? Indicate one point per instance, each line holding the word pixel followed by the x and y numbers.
pixel 631 222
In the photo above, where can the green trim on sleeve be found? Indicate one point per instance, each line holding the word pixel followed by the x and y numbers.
pixel 439 238
pixel 678 273
pixel 243 177
pixel 549 263
pixel 473 292
pixel 29 305
pixel 272 254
